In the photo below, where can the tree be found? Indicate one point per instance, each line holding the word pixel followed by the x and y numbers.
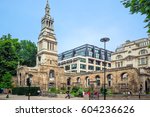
pixel 8 55
pixel 6 81
pixel 27 53
pixel 8 60
pixel 11 52
pixel 139 6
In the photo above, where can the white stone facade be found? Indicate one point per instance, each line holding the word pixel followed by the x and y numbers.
pixel 135 54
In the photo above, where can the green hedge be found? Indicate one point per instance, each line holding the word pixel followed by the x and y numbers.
pixel 25 91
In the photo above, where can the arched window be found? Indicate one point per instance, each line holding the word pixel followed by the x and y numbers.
pixel 39 59
pixel 129 58
pixel 68 81
pixel 47 23
pixel 78 80
pixel 109 80
pixel 87 81
pixel 20 79
pixel 147 85
pixel 51 74
pixel 144 51
pixel 119 57
pixel 31 78
pixel 124 77
pixel 97 78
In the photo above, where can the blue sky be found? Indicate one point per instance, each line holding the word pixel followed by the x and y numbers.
pixel 77 22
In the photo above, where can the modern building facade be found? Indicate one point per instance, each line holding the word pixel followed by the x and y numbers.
pixel 85 58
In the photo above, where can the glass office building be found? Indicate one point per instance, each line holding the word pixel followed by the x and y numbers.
pixel 85 58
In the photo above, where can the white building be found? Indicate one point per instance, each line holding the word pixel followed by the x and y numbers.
pixel 135 54
pixel 132 53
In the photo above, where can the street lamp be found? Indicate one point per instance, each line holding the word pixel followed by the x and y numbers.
pixel 29 85
pixel 140 90
pixel 105 39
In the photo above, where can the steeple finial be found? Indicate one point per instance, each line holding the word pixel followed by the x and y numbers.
pixel 47 9
pixel 47 4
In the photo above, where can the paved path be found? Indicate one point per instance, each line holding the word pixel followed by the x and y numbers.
pixel 120 97
pixel 22 97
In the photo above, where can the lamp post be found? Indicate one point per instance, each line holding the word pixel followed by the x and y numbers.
pixel 29 85
pixel 140 90
pixel 104 40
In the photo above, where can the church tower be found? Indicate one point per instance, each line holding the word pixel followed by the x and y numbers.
pixel 47 44
pixel 46 73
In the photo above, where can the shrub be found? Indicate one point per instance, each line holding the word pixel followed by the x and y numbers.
pixel 63 90
pixel 52 90
pixel 86 90
pixel 109 92
pixel 80 92
pixel 102 91
pixel 77 91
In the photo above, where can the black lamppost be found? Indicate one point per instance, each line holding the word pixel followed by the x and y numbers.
pixel 105 39
pixel 29 85
pixel 140 90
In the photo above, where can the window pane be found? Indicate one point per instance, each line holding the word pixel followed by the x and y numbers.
pixel 83 60
pixel 91 67
pixel 82 66
pixel 98 68
pixel 91 61
pixel 80 52
pixel 67 67
pixel 74 66
pixel 98 62
pixel 90 52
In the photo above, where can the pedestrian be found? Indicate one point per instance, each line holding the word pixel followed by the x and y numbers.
pixel 68 95
pixel 83 93
pixel 89 94
pixel 8 92
pixel 96 95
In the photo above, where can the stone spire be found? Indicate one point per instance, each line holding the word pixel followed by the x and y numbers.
pixel 47 9
pixel 47 43
pixel 47 20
